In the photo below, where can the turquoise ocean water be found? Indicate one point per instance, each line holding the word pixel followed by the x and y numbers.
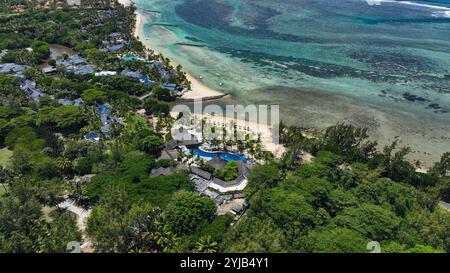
pixel 380 64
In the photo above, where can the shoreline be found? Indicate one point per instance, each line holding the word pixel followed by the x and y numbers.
pixel 380 133
pixel 199 90
pixel 264 130
pixel 138 24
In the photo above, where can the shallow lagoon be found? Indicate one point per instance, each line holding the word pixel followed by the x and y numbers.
pixel 386 67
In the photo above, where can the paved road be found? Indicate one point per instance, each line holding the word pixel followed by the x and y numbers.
pixel 444 205
pixel 145 96
pixel 81 213
pixel 82 216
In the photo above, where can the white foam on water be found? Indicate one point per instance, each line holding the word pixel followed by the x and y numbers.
pixel 437 11
pixel 408 3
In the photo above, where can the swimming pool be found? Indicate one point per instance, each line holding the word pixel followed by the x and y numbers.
pixel 225 156
pixel 130 58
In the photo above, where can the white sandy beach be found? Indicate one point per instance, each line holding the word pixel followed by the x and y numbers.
pixel 198 89
pixel 125 2
pixel 201 91
pixel 138 25
pixel 263 130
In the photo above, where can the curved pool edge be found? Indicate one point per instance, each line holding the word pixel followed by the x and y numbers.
pixel 227 156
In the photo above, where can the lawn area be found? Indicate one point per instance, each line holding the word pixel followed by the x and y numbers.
pixel 5 157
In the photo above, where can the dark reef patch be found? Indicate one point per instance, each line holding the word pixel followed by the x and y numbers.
pixel 193 39
pixel 213 14
pixel 394 62
pixel 188 44
pixel 413 98
pixel 308 67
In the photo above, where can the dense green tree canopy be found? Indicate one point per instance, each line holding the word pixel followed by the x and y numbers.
pixel 334 239
pixel 188 212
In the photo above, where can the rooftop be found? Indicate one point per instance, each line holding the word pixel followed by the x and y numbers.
pixel 105 73
pixel 12 69
pixel 30 88
pixel 168 154
pixel 67 102
pixel 49 70
pixel 115 34
pixel 71 61
pixel 132 74
pixel 217 163
pixel 113 48
pixel 162 171
pixel 203 174
pixel 85 69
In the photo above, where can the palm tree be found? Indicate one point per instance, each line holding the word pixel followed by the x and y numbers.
pixel 203 127
pixel 224 137
pixel 180 155
pixel 167 241
pixel 240 146
pixel 229 144
pixel 190 155
pixel 207 245
pixel 136 251
pixel 64 164
pixel 5 177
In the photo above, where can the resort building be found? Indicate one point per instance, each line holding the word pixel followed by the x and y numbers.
pixel 201 173
pixel 12 69
pixel 131 74
pixel 76 64
pixel 67 102
pixel 49 70
pixel 105 73
pixel 138 76
pixel 30 88
pixel 113 48
pixel 115 35
pixel 173 88
pixel 107 118
pixel 73 60
pixel 81 70
pixel 220 185
pixel 163 72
